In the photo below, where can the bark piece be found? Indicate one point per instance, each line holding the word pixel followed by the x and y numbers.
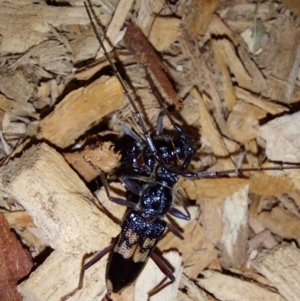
pixel 145 54
pixel 15 263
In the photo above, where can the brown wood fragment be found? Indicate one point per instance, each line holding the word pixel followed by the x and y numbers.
pixel 113 30
pixel 19 219
pixel 281 222
pixel 15 263
pixel 101 154
pixel 151 276
pixel 14 85
pixel 217 27
pixel 5 103
pixel 269 185
pixel 281 267
pixel 80 110
pixel 260 102
pixel 228 54
pixel 229 93
pixel 198 16
pixel 195 240
pixel 259 82
pixel 210 131
pixel 243 122
pixel 282 60
pixel 145 54
pixel 293 5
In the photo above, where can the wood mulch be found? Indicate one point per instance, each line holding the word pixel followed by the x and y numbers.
pixel 229 73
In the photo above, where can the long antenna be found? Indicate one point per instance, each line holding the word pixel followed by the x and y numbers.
pixel 126 91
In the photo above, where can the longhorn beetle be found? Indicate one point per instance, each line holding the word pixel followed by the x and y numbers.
pixel 150 170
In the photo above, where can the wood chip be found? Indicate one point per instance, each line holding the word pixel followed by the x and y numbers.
pixel 198 16
pixel 152 276
pixel 19 219
pixel 243 122
pixel 281 222
pixel 210 131
pixel 59 276
pixel 14 85
pixel 57 200
pixel 21 29
pixel 67 123
pixel 269 107
pixel 225 287
pixel 282 131
pixel 164 32
pixel 234 244
pixel 281 266
pixel 101 154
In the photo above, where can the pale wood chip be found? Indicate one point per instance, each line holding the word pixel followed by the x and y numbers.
pixel 164 32
pixel 281 266
pixel 117 22
pixel 151 276
pixel 282 131
pixel 233 244
pixel 230 288
pixel 22 29
pixel 59 203
pixel 59 276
